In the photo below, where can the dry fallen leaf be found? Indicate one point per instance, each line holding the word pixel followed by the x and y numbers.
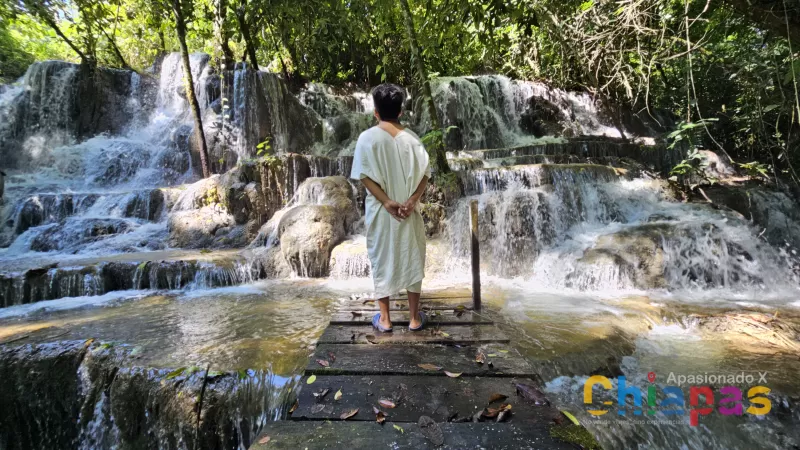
pixel 371 339
pixel 338 395
pixel 311 379
pixel 323 363
pixel 480 358
pixel 452 375
pixel 386 403
pixel 503 416
pixel 497 398
pixel 264 440
pixel 331 357
pixel 380 417
pixel 368 302
pixel 316 409
pixel 295 406
pixel 321 393
pixel 429 367
pixel 348 414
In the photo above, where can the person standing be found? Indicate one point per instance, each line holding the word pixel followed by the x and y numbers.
pixel 393 165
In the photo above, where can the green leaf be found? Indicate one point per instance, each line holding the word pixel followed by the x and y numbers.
pixel 378 68
pixel 311 379
pixel 571 417
pixel 585 6
pixel 399 428
pixel 175 373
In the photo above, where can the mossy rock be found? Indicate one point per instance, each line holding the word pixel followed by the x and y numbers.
pixel 575 434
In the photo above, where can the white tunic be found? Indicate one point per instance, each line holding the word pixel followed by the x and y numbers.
pixel 396 249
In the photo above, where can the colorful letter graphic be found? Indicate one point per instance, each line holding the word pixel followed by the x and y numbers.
pixel 587 392
pixel 694 400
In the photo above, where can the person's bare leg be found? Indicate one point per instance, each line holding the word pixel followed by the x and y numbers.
pixel 413 309
pixel 386 321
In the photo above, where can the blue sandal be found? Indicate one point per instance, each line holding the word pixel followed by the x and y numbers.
pixel 376 322
pixel 423 320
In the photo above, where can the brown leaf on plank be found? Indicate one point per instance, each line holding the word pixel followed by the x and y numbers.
pixel 264 440
pixel 480 357
pixel 452 375
pixel 321 393
pixel 295 406
pixel 531 393
pixel 386 403
pixel 497 398
pixel 348 414
pixel 323 363
pixel 371 339
pixel 331 357
pixel 429 366
pixel 380 417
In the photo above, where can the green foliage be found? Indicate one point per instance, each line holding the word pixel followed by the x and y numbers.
pixel 731 81
pixel 264 148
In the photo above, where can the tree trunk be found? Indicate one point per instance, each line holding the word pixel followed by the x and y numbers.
pixel 221 34
pixel 180 26
pixel 124 64
pixel 248 38
pixel 52 24
pixel 437 146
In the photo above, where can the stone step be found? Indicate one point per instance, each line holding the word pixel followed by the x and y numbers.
pixel 369 359
pixel 441 398
pixel 448 335
pixel 656 157
pixel 50 279
pixel 293 435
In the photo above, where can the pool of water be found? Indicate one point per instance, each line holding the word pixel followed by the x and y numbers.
pixel 273 325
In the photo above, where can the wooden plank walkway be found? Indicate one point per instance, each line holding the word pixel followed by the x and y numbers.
pixel 403 375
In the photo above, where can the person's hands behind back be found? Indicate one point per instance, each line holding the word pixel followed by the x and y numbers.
pixel 407 208
pixel 395 210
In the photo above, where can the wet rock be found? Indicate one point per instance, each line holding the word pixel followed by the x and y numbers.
pixel 75 232
pixel 541 118
pixel 756 330
pixel 772 212
pixel 434 217
pixel 637 253
pixel 197 228
pixel 350 260
pixel 78 394
pixel 324 214
pixel 308 233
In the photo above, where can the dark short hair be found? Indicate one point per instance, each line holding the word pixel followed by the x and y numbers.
pixel 388 99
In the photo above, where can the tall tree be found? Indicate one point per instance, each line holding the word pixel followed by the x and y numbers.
pixel 221 34
pixel 244 28
pixel 436 146
pixel 180 27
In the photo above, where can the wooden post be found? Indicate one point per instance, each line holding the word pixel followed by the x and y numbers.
pixel 476 257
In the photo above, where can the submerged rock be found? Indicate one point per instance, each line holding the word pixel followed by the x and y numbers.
pixel 85 394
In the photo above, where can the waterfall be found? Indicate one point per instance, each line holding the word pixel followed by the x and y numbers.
pixel 584 228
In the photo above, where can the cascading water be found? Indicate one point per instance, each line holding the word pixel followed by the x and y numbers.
pixel 567 218
pixel 585 228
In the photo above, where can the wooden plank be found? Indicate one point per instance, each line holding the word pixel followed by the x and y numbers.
pixel 402 305
pixel 449 334
pixel 400 318
pixel 440 398
pixel 371 359
pixel 293 435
